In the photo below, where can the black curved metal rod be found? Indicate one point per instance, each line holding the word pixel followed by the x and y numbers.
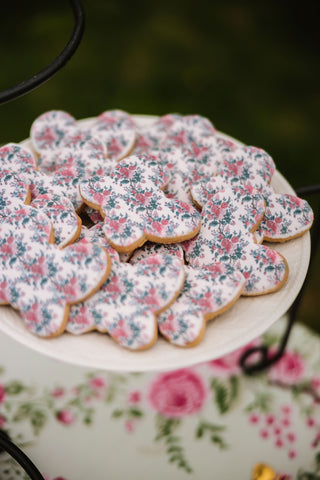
pixel 19 456
pixel 49 71
pixel 265 359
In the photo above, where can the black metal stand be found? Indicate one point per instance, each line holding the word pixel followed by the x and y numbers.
pixel 11 94
pixel 265 358
pixel 15 452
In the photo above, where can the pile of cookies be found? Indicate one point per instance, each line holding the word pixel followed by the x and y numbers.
pixel 106 225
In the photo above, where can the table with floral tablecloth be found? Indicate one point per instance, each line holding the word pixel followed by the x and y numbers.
pixel 203 422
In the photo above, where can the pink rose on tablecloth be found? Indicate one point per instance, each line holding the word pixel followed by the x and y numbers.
pixel 229 364
pixel 178 393
pixel 66 417
pixel 2 393
pixel 289 370
pixel 97 383
pixel 134 397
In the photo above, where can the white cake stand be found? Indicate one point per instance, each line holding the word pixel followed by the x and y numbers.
pixel 245 321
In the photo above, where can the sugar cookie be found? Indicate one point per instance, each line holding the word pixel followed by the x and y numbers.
pixel 134 207
pixel 126 305
pixel 226 237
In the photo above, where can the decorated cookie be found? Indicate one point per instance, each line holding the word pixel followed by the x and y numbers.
pixel 49 130
pixel 118 131
pixel 42 281
pixel 226 237
pixel 189 129
pixel 134 207
pixel 286 217
pixel 153 137
pixel 28 225
pixel 79 147
pixel 65 221
pixel 18 160
pixel 248 165
pixel 13 193
pixel 190 164
pixel 247 202
pixel 127 303
pixel 207 292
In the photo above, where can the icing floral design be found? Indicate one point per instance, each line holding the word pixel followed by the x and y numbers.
pixel 14 193
pixel 249 205
pixel 49 129
pixel 225 237
pixel 126 304
pixel 65 221
pixel 248 165
pixel 40 280
pixel 134 207
pixel 207 292
pixel 118 131
pixel 189 129
pixel 286 217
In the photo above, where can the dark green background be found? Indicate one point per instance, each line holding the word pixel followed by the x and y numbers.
pixel 251 67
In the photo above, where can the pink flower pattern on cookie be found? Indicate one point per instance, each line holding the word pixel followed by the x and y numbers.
pixel 135 208
pixel 118 131
pixel 65 221
pixel 225 237
pixel 189 164
pixel 14 193
pixel 41 281
pixel 248 165
pixel 126 304
pixel 79 146
pixel 189 129
pixel 248 201
pixel 286 217
pixel 49 129
pixel 207 292
pixel 18 160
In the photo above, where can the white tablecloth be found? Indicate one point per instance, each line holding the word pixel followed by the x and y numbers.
pixel 203 422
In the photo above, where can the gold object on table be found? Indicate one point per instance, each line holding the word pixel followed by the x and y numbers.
pixel 264 472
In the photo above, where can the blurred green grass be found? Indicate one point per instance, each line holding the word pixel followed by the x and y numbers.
pixel 251 67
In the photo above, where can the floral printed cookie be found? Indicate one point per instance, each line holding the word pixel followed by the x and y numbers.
pixel 226 237
pixel 80 147
pixel 286 217
pixel 189 164
pixel 22 163
pixel 28 225
pixel 65 221
pixel 207 292
pixel 18 160
pixel 134 207
pixel 126 305
pixel 247 202
pixel 42 281
pixel 13 193
pixel 117 130
pixel 248 165
pixel 153 137
pixel 189 129
pixel 49 130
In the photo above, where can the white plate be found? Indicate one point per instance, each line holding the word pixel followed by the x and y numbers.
pixel 245 321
